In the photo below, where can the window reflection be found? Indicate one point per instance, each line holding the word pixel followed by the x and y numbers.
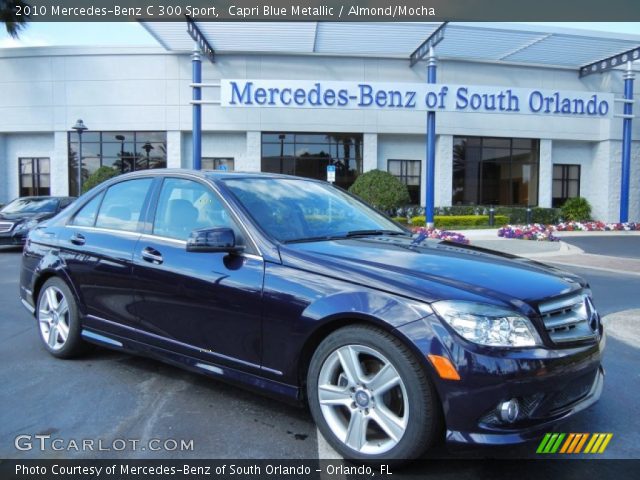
pixel 309 154
pixel 122 151
pixel 495 171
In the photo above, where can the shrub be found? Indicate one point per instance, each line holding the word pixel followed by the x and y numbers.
pixel 97 177
pixel 576 209
pixel 380 189
pixel 449 221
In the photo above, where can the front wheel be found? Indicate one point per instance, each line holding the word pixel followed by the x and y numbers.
pixel 370 397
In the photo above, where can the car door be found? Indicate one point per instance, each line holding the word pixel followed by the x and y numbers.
pixel 97 248
pixel 206 305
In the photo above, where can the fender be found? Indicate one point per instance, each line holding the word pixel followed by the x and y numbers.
pixel 51 264
pixel 383 307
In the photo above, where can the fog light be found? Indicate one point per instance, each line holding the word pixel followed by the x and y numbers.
pixel 509 410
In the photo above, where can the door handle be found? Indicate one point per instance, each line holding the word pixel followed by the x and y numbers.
pixel 78 239
pixel 152 255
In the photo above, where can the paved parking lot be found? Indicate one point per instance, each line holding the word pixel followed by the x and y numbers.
pixel 109 395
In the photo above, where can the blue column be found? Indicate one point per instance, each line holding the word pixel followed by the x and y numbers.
pixel 626 145
pixel 430 181
pixel 196 64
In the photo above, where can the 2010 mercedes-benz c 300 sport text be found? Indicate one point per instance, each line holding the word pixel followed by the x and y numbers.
pixel 296 288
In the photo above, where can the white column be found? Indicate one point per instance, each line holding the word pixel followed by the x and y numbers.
pixel 60 164
pixel 444 170
pixel 370 152
pixel 252 160
pixel 174 149
pixel 634 197
pixel 605 173
pixel 4 165
pixel 545 174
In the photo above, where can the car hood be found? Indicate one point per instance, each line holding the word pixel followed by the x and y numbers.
pixel 18 217
pixel 434 270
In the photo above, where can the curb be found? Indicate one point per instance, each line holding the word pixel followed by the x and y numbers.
pixel 565 249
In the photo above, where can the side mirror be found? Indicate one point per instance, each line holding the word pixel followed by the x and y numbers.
pixel 217 239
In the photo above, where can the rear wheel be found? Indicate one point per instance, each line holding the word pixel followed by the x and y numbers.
pixel 58 321
pixel 370 398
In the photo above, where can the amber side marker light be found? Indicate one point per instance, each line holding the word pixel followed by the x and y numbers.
pixel 444 367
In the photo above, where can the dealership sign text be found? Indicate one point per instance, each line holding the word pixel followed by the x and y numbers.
pixel 412 96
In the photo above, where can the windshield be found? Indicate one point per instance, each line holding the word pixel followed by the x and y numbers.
pixel 292 210
pixel 31 205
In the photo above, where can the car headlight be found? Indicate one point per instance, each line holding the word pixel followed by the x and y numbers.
pixel 487 324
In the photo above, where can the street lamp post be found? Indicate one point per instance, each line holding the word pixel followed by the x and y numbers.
pixel 79 127
pixel 147 147
pixel 121 139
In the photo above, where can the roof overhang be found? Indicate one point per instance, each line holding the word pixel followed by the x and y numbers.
pixel 506 43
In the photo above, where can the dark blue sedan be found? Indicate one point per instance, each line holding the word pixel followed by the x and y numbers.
pixel 297 289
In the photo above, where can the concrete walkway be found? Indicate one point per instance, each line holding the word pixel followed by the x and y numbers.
pixel 561 253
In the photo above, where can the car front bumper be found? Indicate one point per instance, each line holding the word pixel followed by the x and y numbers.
pixel 11 238
pixel 549 385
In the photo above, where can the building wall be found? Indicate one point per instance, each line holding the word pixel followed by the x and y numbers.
pixel 121 88
pixel 20 145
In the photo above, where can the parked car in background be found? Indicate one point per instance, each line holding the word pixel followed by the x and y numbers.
pixel 296 288
pixel 24 213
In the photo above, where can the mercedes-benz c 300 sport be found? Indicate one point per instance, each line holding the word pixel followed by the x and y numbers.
pixel 293 287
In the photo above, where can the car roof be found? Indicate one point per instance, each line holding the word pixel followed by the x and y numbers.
pixel 42 197
pixel 213 174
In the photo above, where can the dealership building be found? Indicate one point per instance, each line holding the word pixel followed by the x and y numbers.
pixel 519 121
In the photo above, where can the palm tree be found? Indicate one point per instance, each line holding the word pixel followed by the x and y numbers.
pixel 8 15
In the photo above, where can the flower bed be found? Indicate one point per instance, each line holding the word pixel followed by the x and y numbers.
pixel 536 231
pixel 545 232
pixel 424 233
pixel 596 227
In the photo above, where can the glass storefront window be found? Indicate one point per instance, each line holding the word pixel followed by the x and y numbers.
pixel 35 177
pixel 566 183
pixel 408 172
pixel 218 163
pixel 122 151
pixel 495 171
pixel 309 154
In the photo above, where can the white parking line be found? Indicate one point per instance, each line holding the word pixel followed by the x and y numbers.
pixel 326 451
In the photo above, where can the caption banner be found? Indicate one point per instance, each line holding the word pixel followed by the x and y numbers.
pixel 327 10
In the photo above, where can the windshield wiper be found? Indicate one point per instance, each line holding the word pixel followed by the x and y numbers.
pixel 314 239
pixel 351 234
pixel 365 233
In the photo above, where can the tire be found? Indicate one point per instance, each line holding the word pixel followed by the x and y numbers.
pixel 380 407
pixel 59 325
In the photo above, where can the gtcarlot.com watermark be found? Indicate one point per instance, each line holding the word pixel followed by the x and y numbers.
pixel 46 443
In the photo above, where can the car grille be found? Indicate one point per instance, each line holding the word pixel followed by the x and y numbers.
pixel 573 392
pixel 570 319
pixel 6 227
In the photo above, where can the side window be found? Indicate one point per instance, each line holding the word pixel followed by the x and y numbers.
pixel 86 216
pixel 122 205
pixel 185 205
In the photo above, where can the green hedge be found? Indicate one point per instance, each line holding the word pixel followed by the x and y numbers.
pixel 515 215
pixel 576 209
pixel 380 189
pixel 450 221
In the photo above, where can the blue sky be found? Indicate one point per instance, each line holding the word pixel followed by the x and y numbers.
pixel 131 33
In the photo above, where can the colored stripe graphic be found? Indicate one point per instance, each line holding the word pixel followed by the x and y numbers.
pixel 543 443
pixel 574 443
pixel 567 443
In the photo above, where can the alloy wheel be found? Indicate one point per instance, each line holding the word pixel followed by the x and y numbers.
pixel 363 399
pixel 53 318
